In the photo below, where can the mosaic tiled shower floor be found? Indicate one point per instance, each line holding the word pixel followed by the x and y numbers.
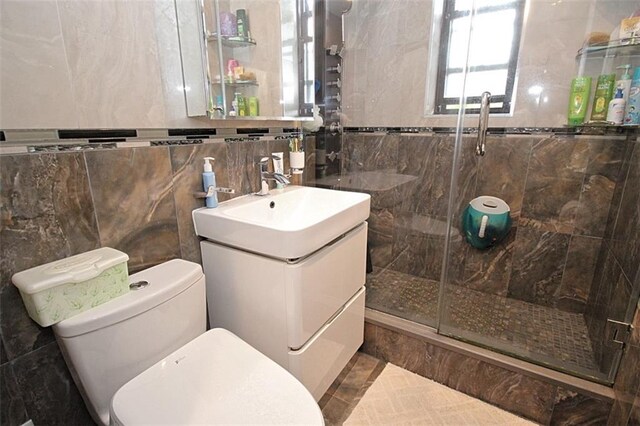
pixel 525 327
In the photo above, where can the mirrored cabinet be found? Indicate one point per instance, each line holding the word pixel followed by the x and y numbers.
pixel 247 59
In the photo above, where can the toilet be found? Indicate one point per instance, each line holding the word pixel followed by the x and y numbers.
pixel 145 358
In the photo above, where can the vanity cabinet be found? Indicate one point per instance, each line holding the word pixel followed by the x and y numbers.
pixel 307 316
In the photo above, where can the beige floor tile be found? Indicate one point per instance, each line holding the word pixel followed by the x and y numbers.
pixel 400 397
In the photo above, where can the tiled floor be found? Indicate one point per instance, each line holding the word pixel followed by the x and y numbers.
pixel 369 391
pixel 400 397
pixel 347 390
pixel 525 327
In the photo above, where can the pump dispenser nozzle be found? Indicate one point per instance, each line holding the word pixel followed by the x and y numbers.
pixel 625 74
pixel 207 165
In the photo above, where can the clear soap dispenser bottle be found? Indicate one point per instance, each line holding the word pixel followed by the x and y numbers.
pixel 209 180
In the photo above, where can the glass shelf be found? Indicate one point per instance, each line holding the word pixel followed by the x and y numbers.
pixel 238 83
pixel 623 47
pixel 232 41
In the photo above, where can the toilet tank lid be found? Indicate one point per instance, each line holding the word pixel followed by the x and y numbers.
pixel 166 281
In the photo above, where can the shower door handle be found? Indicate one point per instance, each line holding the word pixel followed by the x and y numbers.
pixel 485 102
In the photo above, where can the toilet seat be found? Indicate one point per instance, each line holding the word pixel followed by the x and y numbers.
pixel 215 379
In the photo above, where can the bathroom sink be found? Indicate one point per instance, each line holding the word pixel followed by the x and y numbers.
pixel 288 223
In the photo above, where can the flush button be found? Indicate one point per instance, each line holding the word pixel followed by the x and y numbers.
pixel 138 285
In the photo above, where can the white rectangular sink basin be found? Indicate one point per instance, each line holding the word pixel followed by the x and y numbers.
pixel 288 223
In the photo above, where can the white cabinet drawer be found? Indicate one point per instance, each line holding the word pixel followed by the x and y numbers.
pixel 321 284
pixel 318 363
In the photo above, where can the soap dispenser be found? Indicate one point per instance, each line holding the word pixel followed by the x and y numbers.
pixel 615 114
pixel 209 181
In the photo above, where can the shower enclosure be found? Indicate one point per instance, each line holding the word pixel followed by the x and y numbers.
pixel 561 288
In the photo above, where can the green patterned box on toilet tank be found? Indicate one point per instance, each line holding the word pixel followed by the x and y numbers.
pixel 62 289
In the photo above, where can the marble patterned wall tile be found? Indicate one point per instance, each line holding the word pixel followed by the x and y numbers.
pixel 634 417
pixel 403 351
pixel 34 76
pixel 618 192
pixel 554 183
pixel 467 169
pixel 599 188
pixel 572 408
pixel 593 208
pixel 46 214
pixel 381 236
pixel 48 391
pixel 502 172
pixel 606 156
pixel 133 197
pixel 310 159
pixel 409 248
pixel 538 264
pixel 187 165
pixel 489 270
pixel 241 157
pixel 582 255
pixel 3 353
pixel 560 157
pixel 369 345
pixel 12 408
pixel 626 234
pixel 616 310
pixel 458 253
pixel 511 391
pixel 596 281
pixel 627 384
pixel 620 413
pixel 598 308
pixel 125 62
pixel 371 152
pixel 428 158
pixel 417 156
pixel 550 204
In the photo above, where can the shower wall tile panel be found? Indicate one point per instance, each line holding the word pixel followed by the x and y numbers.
pixel 625 241
pixel 580 266
pixel 539 262
pixel 138 200
pixel 559 188
pixel 617 278
pixel 626 407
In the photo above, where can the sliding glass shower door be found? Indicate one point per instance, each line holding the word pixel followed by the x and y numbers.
pixel 542 252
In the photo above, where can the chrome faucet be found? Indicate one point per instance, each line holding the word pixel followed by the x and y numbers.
pixel 263 175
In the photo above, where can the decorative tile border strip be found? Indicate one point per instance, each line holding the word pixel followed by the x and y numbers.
pixel 39 141
pixel 582 130
pixel 120 135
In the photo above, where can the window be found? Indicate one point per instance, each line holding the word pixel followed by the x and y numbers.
pixel 493 54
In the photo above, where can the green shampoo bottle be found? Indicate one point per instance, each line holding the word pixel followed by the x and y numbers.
pixel 579 100
pixel 604 93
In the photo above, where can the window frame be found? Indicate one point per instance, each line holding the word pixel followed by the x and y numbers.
pixel 449 14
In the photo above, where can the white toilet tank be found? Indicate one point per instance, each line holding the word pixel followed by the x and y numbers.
pixel 108 345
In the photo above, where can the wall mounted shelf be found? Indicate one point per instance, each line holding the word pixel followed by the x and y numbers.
pixel 232 41
pixel 614 48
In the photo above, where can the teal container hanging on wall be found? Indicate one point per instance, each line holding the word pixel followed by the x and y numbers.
pixel 486 221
